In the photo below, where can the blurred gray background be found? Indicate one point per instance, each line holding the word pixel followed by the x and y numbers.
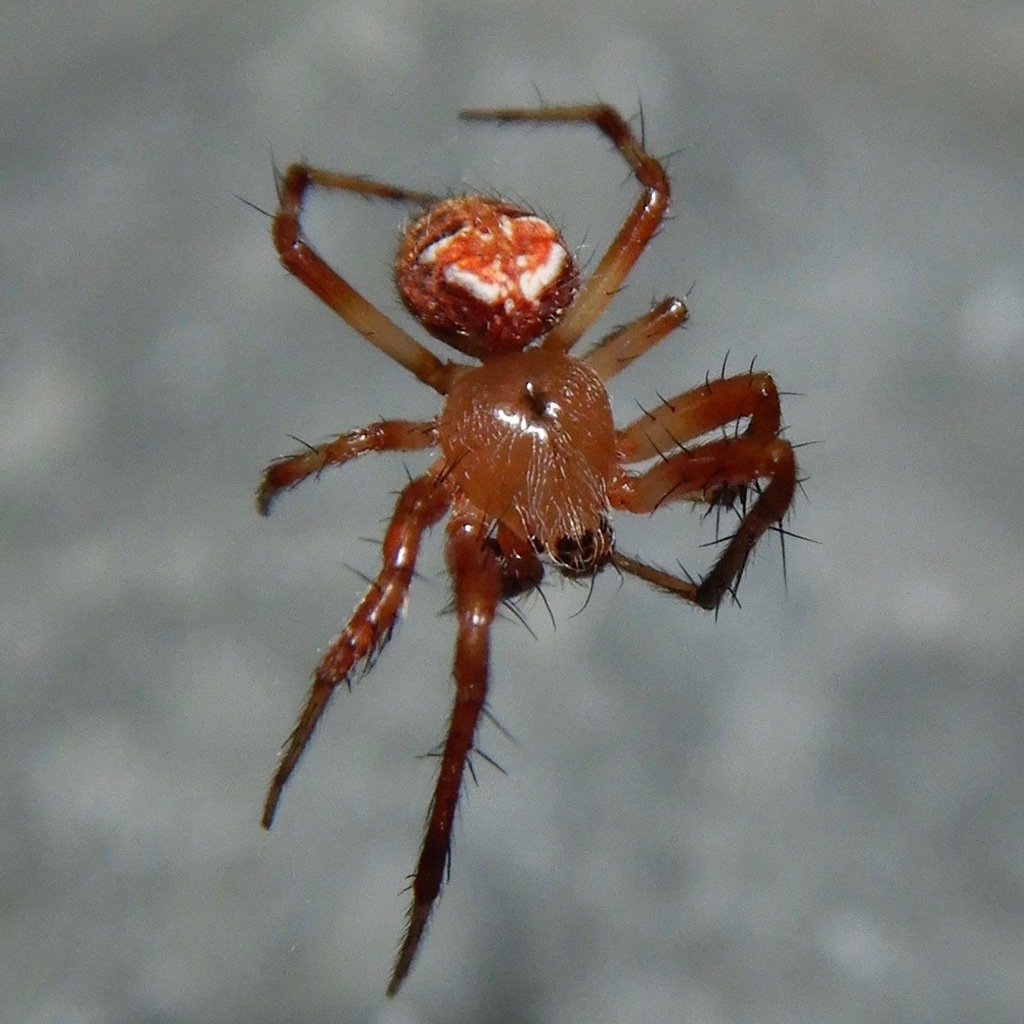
pixel 811 809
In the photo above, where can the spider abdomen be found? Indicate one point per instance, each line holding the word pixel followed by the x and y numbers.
pixel 483 275
pixel 530 441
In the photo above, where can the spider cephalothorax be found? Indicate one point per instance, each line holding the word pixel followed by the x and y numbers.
pixel 531 464
pixel 530 441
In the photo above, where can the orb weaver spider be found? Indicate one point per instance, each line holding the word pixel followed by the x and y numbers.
pixel 531 463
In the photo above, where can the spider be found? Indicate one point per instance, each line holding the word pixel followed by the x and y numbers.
pixel 531 463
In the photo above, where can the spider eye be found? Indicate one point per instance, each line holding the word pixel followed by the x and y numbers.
pixel 586 551
pixel 484 276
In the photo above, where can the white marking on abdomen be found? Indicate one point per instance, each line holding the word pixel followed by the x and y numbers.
pixel 533 282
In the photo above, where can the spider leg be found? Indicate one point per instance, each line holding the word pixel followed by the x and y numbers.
pixel 368 187
pixel 632 238
pixel 422 502
pixel 476 578
pixel 666 581
pixel 696 412
pixel 385 436
pixel 302 260
pixel 621 347
pixel 704 471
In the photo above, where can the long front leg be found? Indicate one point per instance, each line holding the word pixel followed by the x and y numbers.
pixel 385 436
pixel 694 413
pixel 476 578
pixel 700 474
pixel 420 505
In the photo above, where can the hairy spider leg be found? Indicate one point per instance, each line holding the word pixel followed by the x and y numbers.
pixel 704 471
pixel 421 504
pixel 384 436
pixel 698 474
pixel 686 589
pixel 476 579
pixel 596 292
pixel 616 351
pixel 302 260
pixel 696 412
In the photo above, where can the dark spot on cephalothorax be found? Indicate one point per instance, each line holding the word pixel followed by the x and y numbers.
pixel 538 400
